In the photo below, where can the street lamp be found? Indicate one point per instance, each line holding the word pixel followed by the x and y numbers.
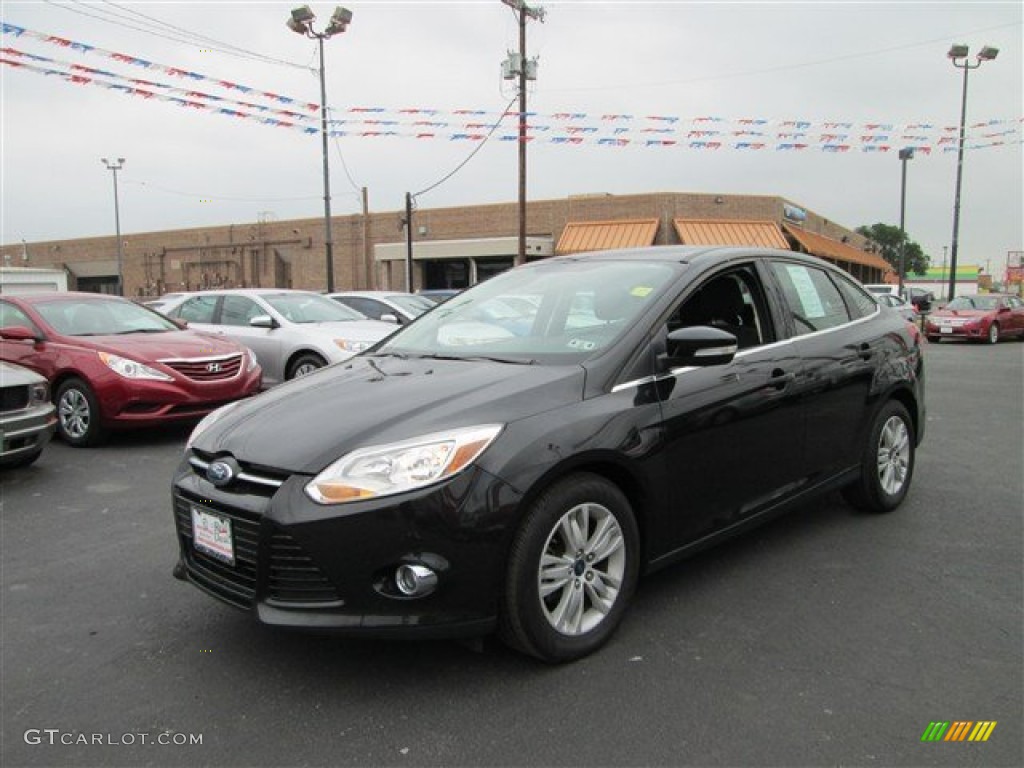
pixel 906 153
pixel 958 55
pixel 114 167
pixel 301 23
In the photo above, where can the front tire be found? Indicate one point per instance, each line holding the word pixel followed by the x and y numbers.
pixel 305 363
pixel 78 414
pixel 993 334
pixel 887 462
pixel 572 570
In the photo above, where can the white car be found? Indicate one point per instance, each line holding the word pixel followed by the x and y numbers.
pixel 292 333
pixel 389 306
pixel 27 417
pixel 899 304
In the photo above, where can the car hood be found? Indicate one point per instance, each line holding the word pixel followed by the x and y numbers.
pixel 358 330
pixel 149 347
pixel 961 313
pixel 304 425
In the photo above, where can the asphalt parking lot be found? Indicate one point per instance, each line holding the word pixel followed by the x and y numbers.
pixel 824 638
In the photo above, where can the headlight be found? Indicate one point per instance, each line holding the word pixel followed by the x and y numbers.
pixel 38 394
pixel 131 369
pixel 353 346
pixel 250 366
pixel 383 470
pixel 208 420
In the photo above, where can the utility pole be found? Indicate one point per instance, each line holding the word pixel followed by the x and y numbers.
pixel 519 67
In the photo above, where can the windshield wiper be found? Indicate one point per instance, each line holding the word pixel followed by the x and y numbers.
pixel 142 330
pixel 478 358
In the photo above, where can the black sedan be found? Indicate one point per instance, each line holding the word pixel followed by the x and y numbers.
pixel 464 476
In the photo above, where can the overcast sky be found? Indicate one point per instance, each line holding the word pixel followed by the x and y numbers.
pixel 812 65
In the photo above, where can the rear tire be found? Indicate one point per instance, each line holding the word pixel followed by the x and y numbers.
pixel 887 462
pixel 572 570
pixel 78 414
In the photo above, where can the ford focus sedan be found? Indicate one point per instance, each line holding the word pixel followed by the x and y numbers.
pixel 112 364
pixel 462 477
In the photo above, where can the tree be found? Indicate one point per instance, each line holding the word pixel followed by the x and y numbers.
pixel 889 239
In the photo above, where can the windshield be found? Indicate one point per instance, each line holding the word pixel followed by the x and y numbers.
pixel 974 302
pixel 102 317
pixel 553 312
pixel 310 308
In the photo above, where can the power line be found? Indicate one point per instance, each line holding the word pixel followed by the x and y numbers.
pixel 189 38
pixel 469 157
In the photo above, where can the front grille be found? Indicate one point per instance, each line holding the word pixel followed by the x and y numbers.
pixel 236 583
pixel 293 578
pixel 207 368
pixel 13 399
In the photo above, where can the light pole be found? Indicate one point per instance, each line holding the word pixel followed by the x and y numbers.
pixel 526 71
pixel 301 23
pixel 114 167
pixel 958 55
pixel 906 153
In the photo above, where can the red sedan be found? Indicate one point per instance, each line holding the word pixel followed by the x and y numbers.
pixel 113 364
pixel 981 317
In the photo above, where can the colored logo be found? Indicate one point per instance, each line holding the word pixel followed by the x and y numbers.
pixel 959 730
pixel 220 473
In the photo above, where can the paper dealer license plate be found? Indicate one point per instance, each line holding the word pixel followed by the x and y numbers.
pixel 946 329
pixel 211 535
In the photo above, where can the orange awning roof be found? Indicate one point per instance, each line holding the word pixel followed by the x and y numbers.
pixel 833 250
pixel 580 236
pixel 760 234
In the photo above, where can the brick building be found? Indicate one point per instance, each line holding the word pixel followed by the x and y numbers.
pixel 452 247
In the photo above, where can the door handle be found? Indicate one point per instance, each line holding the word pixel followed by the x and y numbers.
pixel 779 379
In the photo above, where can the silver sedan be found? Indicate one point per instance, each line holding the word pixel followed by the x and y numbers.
pixel 291 332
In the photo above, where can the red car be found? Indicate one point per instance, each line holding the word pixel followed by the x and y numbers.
pixel 982 317
pixel 113 364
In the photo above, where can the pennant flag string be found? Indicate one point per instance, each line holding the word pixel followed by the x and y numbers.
pixel 564 128
pixel 613 125
pixel 372 127
pixel 22 32
pixel 79 69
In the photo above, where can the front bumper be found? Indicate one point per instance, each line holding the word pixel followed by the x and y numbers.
pixel 944 331
pixel 126 404
pixel 25 432
pixel 300 564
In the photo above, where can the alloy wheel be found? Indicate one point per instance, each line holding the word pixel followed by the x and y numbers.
pixel 581 569
pixel 893 455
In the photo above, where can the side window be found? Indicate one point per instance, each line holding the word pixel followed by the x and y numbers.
pixel 11 315
pixel 198 309
pixel 368 307
pixel 239 310
pixel 814 301
pixel 858 301
pixel 733 302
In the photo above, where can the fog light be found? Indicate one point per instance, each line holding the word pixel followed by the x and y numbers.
pixel 415 580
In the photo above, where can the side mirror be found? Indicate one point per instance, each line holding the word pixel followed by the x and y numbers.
pixel 700 346
pixel 18 333
pixel 390 318
pixel 263 321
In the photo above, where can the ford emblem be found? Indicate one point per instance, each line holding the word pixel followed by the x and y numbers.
pixel 220 473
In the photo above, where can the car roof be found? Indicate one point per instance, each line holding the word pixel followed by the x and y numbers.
pixel 44 296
